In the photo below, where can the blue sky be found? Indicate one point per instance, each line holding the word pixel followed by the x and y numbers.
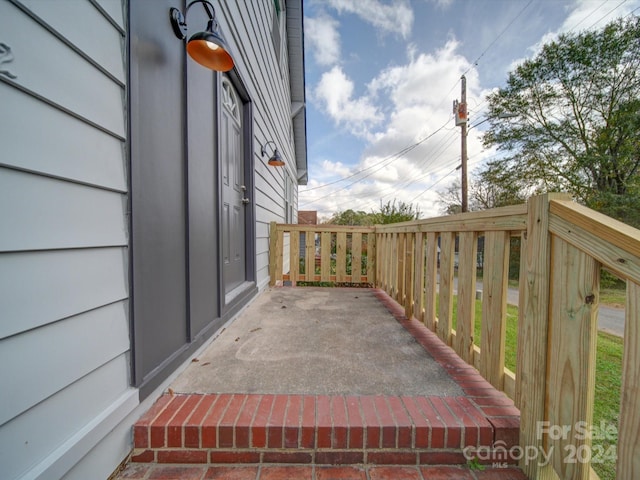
pixel 381 76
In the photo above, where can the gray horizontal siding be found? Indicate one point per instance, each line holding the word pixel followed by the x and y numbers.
pixel 32 441
pixel 72 150
pixel 44 213
pixel 64 239
pixel 38 288
pixel 71 347
pixel 62 76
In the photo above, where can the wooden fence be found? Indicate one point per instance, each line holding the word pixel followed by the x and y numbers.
pixel 563 247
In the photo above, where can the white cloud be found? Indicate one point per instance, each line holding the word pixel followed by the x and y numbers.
pixel 395 17
pixel 410 102
pixel 322 37
pixel 335 94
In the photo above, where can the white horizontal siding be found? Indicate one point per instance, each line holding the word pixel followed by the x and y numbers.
pixel 113 8
pixel 38 288
pixel 45 213
pixel 66 147
pixel 35 437
pixel 60 75
pixel 72 349
pixel 86 29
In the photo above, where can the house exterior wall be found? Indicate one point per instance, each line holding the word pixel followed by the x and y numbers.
pixel 66 350
pixel 64 333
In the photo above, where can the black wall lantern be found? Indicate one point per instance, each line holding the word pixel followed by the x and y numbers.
pixel 275 160
pixel 208 48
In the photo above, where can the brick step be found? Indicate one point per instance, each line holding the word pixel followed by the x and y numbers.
pixel 319 429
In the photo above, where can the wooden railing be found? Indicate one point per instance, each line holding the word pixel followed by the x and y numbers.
pixel 322 253
pixel 563 247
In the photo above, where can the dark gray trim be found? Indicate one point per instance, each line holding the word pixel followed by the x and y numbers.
pixel 249 178
pixel 155 378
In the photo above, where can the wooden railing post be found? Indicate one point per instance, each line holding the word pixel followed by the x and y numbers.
pixel 531 365
pixel 445 305
pixel 573 324
pixel 494 307
pixel 274 248
pixel 629 425
pixel 467 261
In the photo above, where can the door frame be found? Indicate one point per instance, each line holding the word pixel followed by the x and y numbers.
pixel 228 306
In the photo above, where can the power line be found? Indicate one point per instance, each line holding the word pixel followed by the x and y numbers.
pixel 393 156
pixel 614 8
pixel 592 12
pixel 405 150
pixel 475 63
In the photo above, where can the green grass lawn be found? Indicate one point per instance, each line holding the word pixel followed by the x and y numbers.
pixel 607 390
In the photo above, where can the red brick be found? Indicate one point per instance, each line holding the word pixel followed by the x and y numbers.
pixel 356 425
pixel 286 473
pixel 506 429
pixel 259 423
pixel 243 421
pixel 287 457
pixel 324 423
pixel 453 425
pixel 372 423
pixel 146 456
pixel 394 473
pixel 442 472
pixel 133 471
pixel 234 456
pixel 339 457
pixel 154 411
pixel 340 473
pixel 227 423
pixel 194 422
pixel 501 411
pixel 275 425
pixel 140 436
pixel 232 473
pixel 209 427
pixel 509 473
pixel 485 429
pixel 175 427
pixel 176 473
pixel 442 458
pixel 292 421
pixel 438 428
pixel 493 401
pixel 340 424
pixel 421 424
pixel 386 421
pixel 182 456
pixel 392 458
pixel 470 430
pixel 308 429
pixel 404 424
pixel 158 427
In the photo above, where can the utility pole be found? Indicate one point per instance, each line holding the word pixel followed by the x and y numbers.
pixel 460 112
pixel 462 115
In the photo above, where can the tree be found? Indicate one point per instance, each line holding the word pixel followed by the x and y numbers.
pixel 578 121
pixel 484 193
pixel 392 213
pixel 351 217
pixel 388 213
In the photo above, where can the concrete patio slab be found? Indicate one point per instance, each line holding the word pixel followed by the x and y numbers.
pixel 317 341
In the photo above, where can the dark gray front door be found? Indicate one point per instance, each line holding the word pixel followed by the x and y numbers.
pixel 234 191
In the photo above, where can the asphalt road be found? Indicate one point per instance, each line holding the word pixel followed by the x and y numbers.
pixel 610 320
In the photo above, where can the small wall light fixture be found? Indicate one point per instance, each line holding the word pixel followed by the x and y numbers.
pixel 275 160
pixel 208 48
